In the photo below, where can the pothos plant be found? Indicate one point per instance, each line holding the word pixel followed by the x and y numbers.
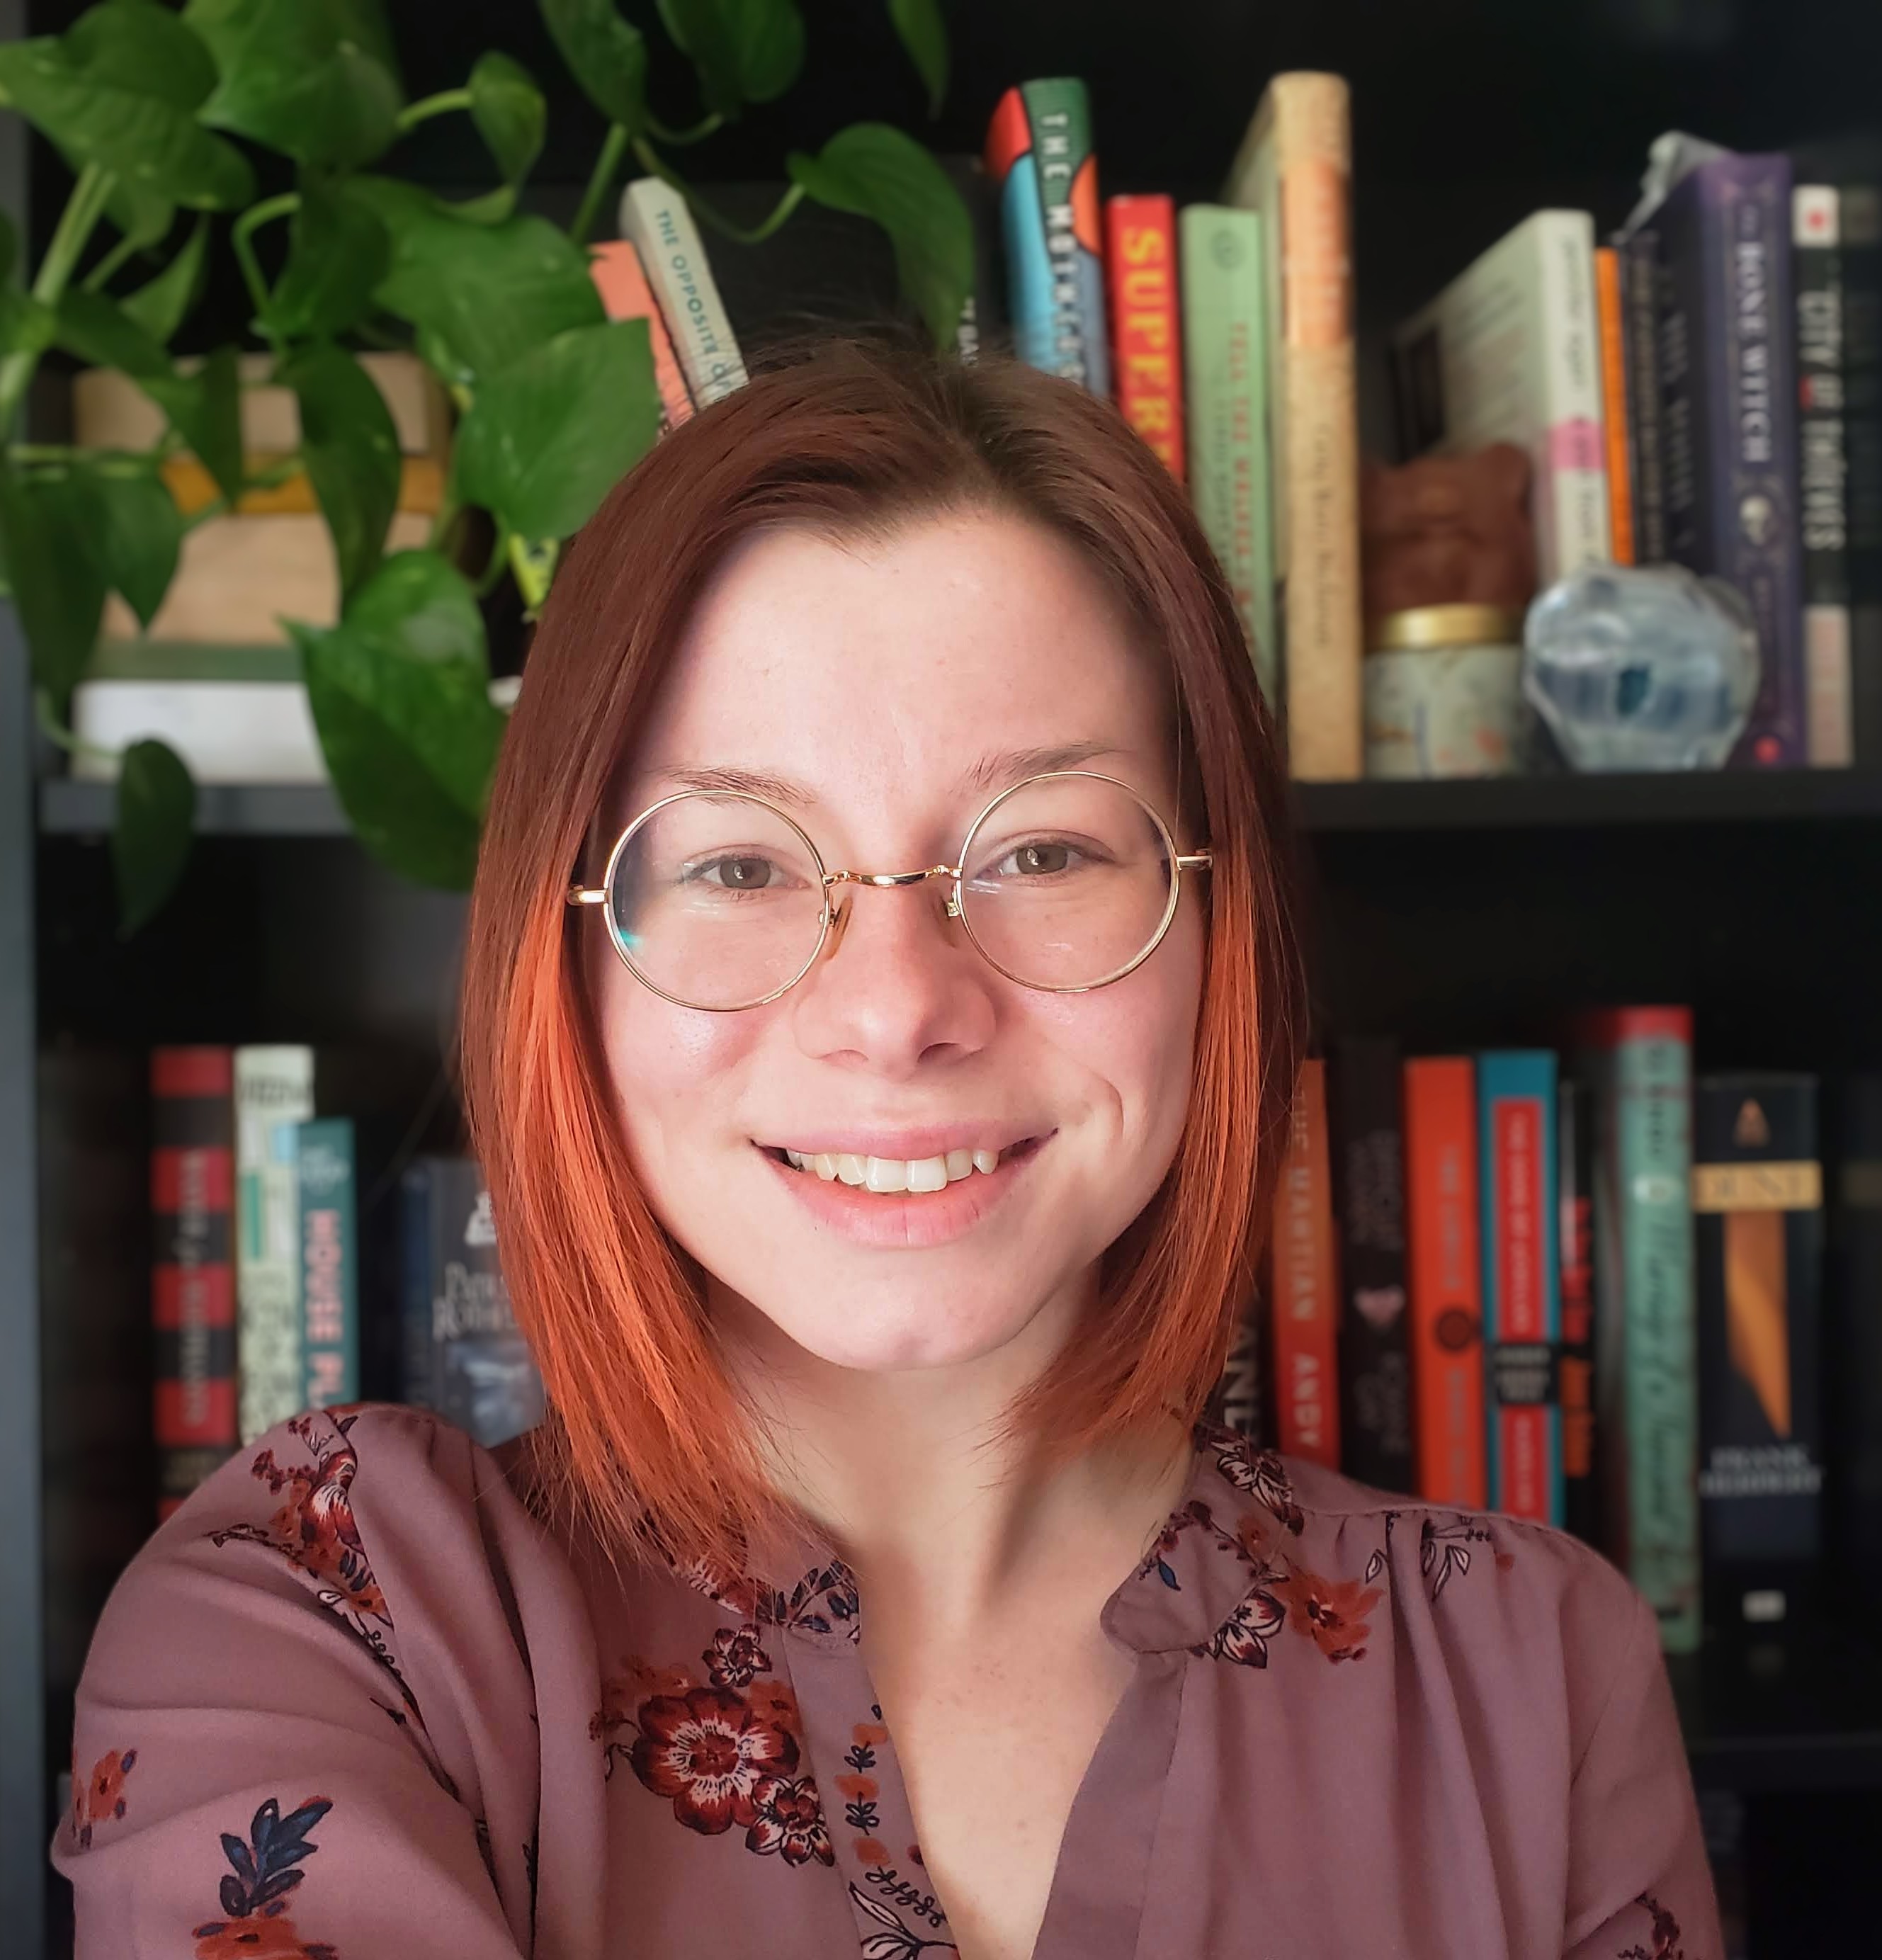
pixel 554 402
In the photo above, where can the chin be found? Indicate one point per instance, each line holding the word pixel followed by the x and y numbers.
pixel 891 1330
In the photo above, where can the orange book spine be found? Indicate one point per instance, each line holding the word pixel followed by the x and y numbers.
pixel 1614 425
pixel 1306 1289
pixel 1442 1264
pixel 1147 340
pixel 621 280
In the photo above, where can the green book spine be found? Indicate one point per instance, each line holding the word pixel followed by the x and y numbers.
pixel 1225 364
pixel 329 1263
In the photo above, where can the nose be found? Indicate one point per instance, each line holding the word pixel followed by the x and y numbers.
pixel 898 986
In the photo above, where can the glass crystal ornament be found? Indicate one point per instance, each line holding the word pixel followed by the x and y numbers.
pixel 1641 667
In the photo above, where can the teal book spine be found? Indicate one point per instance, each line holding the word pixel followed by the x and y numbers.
pixel 329 1262
pixel 1522 1295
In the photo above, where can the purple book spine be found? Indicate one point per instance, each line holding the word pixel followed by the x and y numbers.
pixel 1728 395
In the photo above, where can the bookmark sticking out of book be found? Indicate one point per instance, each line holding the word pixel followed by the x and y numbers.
pixel 654 219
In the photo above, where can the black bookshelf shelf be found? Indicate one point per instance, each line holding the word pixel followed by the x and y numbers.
pixel 251 810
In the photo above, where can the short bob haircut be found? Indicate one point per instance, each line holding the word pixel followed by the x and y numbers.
pixel 646 1438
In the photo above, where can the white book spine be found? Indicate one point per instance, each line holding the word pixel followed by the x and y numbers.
pixel 1572 465
pixel 227 731
pixel 273 1091
pixel 654 216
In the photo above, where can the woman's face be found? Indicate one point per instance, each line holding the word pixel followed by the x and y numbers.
pixel 875 677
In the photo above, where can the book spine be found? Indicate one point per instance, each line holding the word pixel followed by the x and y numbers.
pixel 983 321
pixel 1522 1317
pixel 1859 219
pixel 1614 419
pixel 1822 474
pixel 486 1380
pixel 1757 1201
pixel 1641 282
pixel 1368 1157
pixel 1140 277
pixel 1854 1378
pixel 1226 363
pixel 1728 381
pixel 416 1201
pixel 1571 478
pixel 621 280
pixel 273 1094
pixel 1575 1231
pixel 1039 153
pixel 1239 1402
pixel 325 1158
pixel 1646 1356
pixel 655 219
pixel 1306 1304
pixel 193 1281
pixel 1444 1271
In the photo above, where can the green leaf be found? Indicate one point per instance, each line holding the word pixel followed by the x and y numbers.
pixel 605 54
pixel 162 306
pixel 143 216
pixel 138 535
pixel 490 291
pixel 94 328
pixel 350 447
pixel 337 252
pixel 151 835
pixel 400 698
pixel 26 325
pixel 924 34
pixel 878 172
pixel 136 45
pixel 550 436
pixel 508 109
pixel 58 584
pixel 144 137
pixel 308 77
pixel 206 409
pixel 492 209
pixel 745 50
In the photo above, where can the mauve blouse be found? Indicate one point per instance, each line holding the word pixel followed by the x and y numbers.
pixel 356 1702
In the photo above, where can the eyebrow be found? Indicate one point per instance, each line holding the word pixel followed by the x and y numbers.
pixel 997 770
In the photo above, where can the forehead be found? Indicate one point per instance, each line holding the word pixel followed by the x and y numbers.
pixel 859 666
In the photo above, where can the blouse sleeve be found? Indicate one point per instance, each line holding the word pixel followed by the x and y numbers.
pixel 252 1773
pixel 1639 1885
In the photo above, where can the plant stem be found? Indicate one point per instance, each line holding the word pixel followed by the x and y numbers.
pixel 678 138
pixel 445 517
pixel 62 736
pixel 600 179
pixel 100 273
pixel 241 235
pixel 740 234
pixel 83 209
pixel 499 564
pixel 440 104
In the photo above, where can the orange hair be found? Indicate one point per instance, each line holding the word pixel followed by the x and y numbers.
pixel 646 1431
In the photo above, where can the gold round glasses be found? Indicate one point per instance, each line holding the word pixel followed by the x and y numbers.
pixel 716 899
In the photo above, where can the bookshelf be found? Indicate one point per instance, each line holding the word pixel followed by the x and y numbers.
pixel 1461 912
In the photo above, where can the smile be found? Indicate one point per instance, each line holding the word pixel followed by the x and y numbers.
pixel 886 1175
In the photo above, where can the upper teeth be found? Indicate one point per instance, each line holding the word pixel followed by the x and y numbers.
pixel 895 1173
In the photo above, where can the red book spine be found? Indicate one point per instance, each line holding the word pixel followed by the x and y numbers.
pixel 1306 1313
pixel 621 280
pixel 1445 1281
pixel 192 1281
pixel 1146 331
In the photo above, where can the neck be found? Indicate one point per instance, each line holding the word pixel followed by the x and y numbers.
pixel 913 1478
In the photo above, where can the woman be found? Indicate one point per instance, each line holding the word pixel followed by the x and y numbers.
pixel 877 1198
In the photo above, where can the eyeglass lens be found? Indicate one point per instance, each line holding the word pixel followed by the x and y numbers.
pixel 718 901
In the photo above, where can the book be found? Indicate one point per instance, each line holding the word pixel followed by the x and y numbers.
pixel 1510 351
pixel 1574 1235
pixel 1522 1311
pixel 1727 331
pixel 1295 168
pixel 1369 1188
pixel 1758 1207
pixel 466 1358
pixel 1140 284
pixel 983 322
pixel 655 221
pixel 621 280
pixel 1039 154
pixel 1225 368
pixel 1855 1374
pixel 1859 219
pixel 1638 1062
pixel 1638 255
pixel 1239 1402
pixel 1444 1268
pixel 325 1159
pixel 1822 474
pixel 273 1093
pixel 1305 1292
pixel 192 1281
pixel 1615 443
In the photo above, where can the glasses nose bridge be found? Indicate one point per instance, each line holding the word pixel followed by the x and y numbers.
pixel 886 881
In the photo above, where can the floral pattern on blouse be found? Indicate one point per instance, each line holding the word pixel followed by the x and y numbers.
pixel 101 1795
pixel 265 1868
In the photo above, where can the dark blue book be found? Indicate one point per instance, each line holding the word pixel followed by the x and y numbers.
pixel 465 1356
pixel 1728 349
